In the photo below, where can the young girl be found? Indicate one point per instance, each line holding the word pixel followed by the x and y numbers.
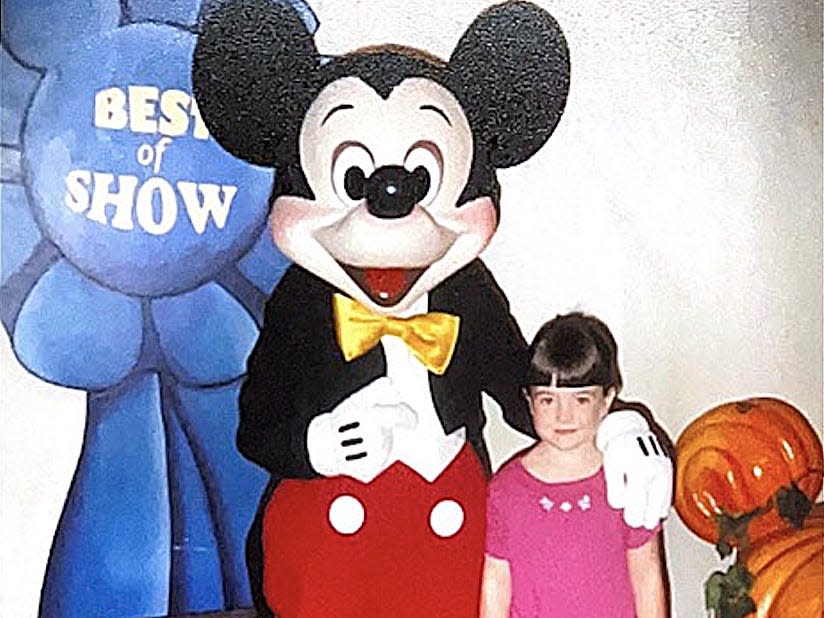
pixel 554 547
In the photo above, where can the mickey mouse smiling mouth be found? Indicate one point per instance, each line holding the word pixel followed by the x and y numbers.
pixel 385 286
pixel 383 222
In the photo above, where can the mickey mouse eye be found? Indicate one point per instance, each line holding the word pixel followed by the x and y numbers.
pixel 352 164
pixel 424 160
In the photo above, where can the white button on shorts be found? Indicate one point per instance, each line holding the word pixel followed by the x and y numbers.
pixel 346 514
pixel 446 518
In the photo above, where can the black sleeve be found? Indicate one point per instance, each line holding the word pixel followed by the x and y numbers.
pixel 272 432
pixel 505 349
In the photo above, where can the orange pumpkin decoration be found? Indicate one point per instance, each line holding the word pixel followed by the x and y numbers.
pixel 733 459
pixel 788 568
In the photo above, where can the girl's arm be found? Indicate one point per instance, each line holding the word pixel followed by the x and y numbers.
pixel 646 572
pixel 496 588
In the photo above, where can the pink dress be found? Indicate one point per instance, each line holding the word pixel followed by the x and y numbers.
pixel 565 546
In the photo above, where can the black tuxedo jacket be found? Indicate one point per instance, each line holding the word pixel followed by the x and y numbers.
pixel 296 370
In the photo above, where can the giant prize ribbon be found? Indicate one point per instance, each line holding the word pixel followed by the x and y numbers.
pixel 135 265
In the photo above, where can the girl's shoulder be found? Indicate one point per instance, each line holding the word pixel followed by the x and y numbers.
pixel 511 471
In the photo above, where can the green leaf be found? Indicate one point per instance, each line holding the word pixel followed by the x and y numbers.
pixel 713 590
pixel 747 606
pixel 728 593
pixel 793 505
pixel 739 577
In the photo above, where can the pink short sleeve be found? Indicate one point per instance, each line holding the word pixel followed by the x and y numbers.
pixel 636 537
pixel 497 536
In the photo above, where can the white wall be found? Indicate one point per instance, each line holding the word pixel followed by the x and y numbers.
pixel 680 199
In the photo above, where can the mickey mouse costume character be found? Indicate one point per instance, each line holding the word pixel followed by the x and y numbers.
pixel 363 396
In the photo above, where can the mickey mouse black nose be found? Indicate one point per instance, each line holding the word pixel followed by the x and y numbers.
pixel 392 191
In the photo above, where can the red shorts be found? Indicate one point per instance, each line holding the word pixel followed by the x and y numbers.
pixel 396 547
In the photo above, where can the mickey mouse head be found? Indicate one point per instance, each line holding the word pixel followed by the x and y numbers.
pixel 387 154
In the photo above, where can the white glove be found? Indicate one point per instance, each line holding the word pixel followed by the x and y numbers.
pixel 637 470
pixel 355 439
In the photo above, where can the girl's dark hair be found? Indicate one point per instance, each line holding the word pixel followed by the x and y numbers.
pixel 574 350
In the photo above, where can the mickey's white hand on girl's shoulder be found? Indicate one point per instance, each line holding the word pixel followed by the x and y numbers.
pixel 637 469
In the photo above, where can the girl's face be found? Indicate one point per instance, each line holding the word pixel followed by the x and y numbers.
pixel 567 418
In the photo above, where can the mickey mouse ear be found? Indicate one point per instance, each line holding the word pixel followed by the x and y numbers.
pixel 510 71
pixel 252 75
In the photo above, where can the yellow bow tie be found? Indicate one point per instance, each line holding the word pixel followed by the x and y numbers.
pixel 431 337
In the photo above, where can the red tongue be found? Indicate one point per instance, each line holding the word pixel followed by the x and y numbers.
pixel 385 283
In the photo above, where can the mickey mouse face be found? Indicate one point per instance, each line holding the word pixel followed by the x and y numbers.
pixel 386 174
